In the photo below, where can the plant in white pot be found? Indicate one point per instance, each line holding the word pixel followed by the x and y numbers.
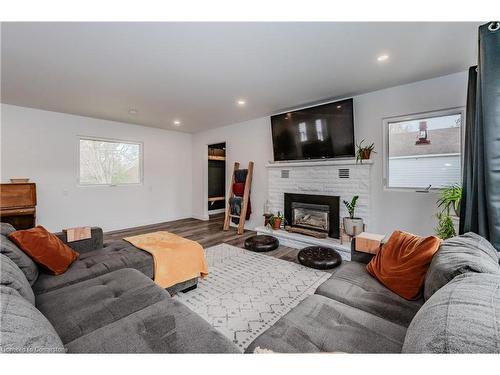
pixel 352 225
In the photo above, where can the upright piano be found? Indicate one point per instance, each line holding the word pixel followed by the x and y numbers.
pixel 18 204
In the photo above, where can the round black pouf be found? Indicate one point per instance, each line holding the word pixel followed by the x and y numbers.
pixel 321 258
pixel 261 243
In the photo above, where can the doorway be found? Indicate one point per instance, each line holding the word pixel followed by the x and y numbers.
pixel 216 178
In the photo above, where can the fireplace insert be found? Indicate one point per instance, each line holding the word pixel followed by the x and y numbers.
pixel 313 216
pixel 315 212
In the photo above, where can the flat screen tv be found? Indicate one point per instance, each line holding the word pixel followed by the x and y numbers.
pixel 322 132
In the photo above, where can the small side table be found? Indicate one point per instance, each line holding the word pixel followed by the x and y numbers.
pixel 365 246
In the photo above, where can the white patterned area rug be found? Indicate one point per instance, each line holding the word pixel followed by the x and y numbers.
pixel 246 292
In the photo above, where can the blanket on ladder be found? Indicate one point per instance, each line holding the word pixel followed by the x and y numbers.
pixel 176 259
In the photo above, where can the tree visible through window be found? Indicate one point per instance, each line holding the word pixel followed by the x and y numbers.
pixel 424 151
pixel 104 162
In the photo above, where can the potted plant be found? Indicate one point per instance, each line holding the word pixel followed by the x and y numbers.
pixel 352 225
pixel 364 152
pixel 449 197
pixel 276 220
pixel 445 228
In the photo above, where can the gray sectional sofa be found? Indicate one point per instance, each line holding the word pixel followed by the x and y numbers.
pixel 352 312
pixel 105 302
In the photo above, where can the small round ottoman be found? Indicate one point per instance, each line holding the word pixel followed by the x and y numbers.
pixel 320 258
pixel 261 243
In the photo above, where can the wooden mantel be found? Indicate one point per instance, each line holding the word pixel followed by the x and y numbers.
pixel 319 163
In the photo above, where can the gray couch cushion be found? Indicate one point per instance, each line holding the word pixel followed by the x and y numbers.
pixel 461 317
pixel 86 306
pixel 13 277
pixel 352 285
pixel 6 229
pixel 23 261
pixel 167 326
pixel 113 256
pixel 23 329
pixel 466 253
pixel 320 324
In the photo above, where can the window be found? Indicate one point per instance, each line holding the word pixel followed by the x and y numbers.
pixel 319 129
pixel 303 132
pixel 423 151
pixel 108 162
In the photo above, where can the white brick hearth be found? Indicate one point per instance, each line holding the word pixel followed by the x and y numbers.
pixel 299 241
pixel 343 178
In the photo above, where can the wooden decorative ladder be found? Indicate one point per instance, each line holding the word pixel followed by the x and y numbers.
pixel 244 203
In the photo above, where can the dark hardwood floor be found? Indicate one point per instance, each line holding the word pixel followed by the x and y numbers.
pixel 207 233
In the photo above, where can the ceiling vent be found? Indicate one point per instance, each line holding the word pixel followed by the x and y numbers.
pixel 344 173
pixel 285 173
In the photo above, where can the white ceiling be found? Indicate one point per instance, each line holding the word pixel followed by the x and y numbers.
pixel 195 72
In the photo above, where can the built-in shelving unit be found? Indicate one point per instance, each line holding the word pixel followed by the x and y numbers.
pixel 216 177
pixel 217 158
pixel 215 199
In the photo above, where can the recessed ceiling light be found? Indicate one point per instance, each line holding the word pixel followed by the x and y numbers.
pixel 132 111
pixel 177 122
pixel 383 57
pixel 241 102
pixel 339 106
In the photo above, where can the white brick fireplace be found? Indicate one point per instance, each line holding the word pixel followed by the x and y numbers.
pixel 343 178
pixel 337 177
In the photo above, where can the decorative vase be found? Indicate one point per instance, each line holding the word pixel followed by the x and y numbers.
pixel 266 219
pixel 365 154
pixel 276 224
pixel 353 227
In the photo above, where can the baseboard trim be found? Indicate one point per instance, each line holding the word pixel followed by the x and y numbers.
pixel 144 224
pixel 200 217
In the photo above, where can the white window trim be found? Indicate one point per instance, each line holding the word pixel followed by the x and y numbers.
pixel 114 140
pixel 415 116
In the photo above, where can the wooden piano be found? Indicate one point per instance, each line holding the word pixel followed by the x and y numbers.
pixel 18 204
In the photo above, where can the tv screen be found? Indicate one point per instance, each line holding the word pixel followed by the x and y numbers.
pixel 322 132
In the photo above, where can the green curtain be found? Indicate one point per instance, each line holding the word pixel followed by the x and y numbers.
pixel 480 207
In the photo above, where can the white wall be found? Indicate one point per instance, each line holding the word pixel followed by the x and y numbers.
pixel 42 145
pixel 391 210
pixel 248 141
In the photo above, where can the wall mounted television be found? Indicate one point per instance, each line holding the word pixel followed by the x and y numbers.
pixel 322 132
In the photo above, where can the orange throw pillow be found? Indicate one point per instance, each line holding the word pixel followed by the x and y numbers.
pixel 45 248
pixel 402 263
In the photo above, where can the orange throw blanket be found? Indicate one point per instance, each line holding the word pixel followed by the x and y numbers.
pixel 176 259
